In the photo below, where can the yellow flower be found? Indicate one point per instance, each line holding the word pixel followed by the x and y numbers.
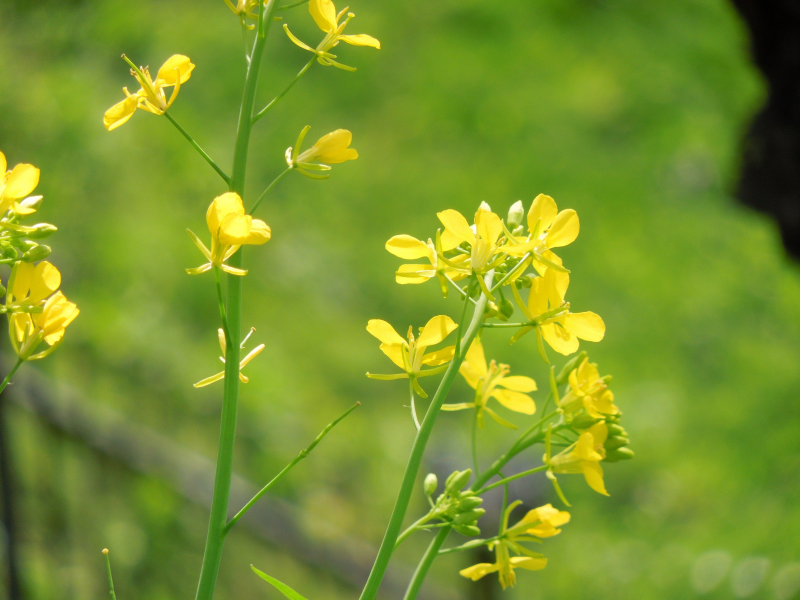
pixel 242 364
pixel 324 14
pixel 589 391
pixel 230 228
pixel 405 246
pixel 29 330
pixel 30 285
pixel 152 96
pixel 485 381
pixel 583 456
pixel 410 355
pixel 244 9
pixel 547 229
pixel 550 317
pixel 483 239
pixel 539 523
pixel 15 185
pixel 332 148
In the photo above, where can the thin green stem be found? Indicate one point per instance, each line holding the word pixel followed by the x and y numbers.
pixel 412 528
pixel 288 6
pixel 506 325
pixel 425 564
pixel 230 402
pixel 475 444
pixel 197 147
pixel 297 77
pixel 269 187
pixel 13 370
pixel 510 479
pixel 110 578
pixel 222 312
pixel 303 454
pixel 508 276
pixel 418 450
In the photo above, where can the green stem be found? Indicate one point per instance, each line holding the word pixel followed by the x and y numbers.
pixel 418 450
pixel 510 479
pixel 13 370
pixel 222 482
pixel 416 525
pixel 110 578
pixel 197 147
pixel 511 272
pixel 222 312
pixel 506 325
pixel 475 444
pixel 297 77
pixel 269 187
pixel 425 564
pixel 303 454
pixel 288 6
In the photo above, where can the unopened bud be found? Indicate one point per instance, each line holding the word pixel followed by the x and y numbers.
pixel 430 484
pixel 571 365
pixel 469 503
pixel 472 544
pixel 2 289
pixel 583 421
pixel 525 281
pixel 616 430
pixel 519 231
pixel 38 253
pixel 465 518
pixel 623 453
pixel 485 206
pixel 10 252
pixel 42 230
pixel 515 215
pixel 33 202
pixel 616 441
pixel 506 307
pixel 468 530
pixel 458 480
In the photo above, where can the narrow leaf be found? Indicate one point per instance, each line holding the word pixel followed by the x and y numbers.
pixel 281 587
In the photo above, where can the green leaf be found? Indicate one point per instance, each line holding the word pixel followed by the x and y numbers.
pixel 281 587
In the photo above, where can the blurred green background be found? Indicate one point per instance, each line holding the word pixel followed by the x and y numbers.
pixel 629 111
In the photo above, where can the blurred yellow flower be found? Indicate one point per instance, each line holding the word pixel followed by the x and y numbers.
pixel 230 228
pixel 547 229
pixel 15 185
pixel 589 391
pixel 485 381
pixel 583 456
pixel 410 355
pixel 324 15
pixel 332 148
pixel 244 9
pixel 152 96
pixel 30 285
pixel 408 247
pixel 29 330
pixel 242 363
pixel 550 317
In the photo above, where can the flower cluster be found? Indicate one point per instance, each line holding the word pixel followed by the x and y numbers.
pixel 37 312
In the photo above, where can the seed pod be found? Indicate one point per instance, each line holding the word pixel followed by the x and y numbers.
pixel 465 518
pixel 469 503
pixel 618 454
pixel 468 530
pixel 430 484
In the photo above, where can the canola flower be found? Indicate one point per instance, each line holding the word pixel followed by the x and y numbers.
pixel 332 148
pixel 550 317
pixel 410 248
pixel 493 381
pixel 242 364
pixel 230 229
pixel 588 391
pixel 411 354
pixel 584 456
pixel 324 14
pixel 16 185
pixel 31 284
pixel 152 96
pixel 29 330
pixel 542 522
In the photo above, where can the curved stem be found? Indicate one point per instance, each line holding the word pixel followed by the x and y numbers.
pixel 417 451
pixel 197 147
pixel 13 370
pixel 297 77
pixel 510 479
pixel 411 529
pixel 269 187
pixel 425 564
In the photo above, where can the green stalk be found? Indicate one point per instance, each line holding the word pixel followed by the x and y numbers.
pixel 13 370
pixel 222 481
pixel 417 451
pixel 425 564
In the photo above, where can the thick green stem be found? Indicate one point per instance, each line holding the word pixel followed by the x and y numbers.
pixel 222 481
pixel 425 564
pixel 418 450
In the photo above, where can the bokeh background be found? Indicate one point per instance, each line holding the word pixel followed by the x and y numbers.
pixel 631 112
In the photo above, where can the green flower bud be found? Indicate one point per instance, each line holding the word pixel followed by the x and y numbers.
pixel 33 202
pixel 616 441
pixel 519 231
pixel 469 503
pixel 618 454
pixel 571 365
pixel 616 430
pixel 525 281
pixel 584 421
pixel 430 484
pixel 9 252
pixel 468 530
pixel 2 289
pixel 485 206
pixel 37 253
pixel 506 307
pixel 458 480
pixel 465 518
pixel 472 544
pixel 515 215
pixel 42 230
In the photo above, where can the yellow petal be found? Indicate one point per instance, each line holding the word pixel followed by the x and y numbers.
pixel 324 14
pixel 384 332
pixel 120 113
pixel 23 279
pixel 361 39
pixel 260 233
pixel 210 380
pixel 22 180
pixel 489 225
pixel 593 473
pixel 167 74
pixel 518 383
pixel 537 297
pixel 476 359
pixel 528 563
pixel 560 339
pixel 475 572
pixel 395 354
pixel 556 284
pixel 515 401
pixel 405 246
pixel 544 208
pixel 450 241
pixel 439 357
pixel 44 282
pixel 457 225
pixel 331 148
pixel 235 229
pixel 564 230
pixel 3 164
pixel 414 273
pixel 435 331
pixel 599 433
pixel 227 204
pixel 586 325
